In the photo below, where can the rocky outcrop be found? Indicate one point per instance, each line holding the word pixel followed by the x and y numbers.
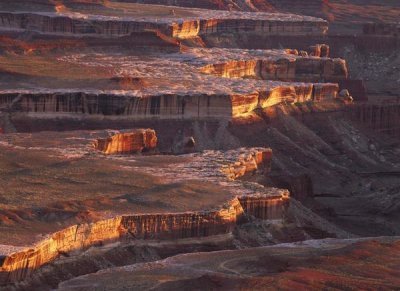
pixel 168 106
pixel 265 207
pixel 203 23
pixel 299 94
pixel 296 68
pixel 320 50
pixel 244 164
pixel 20 265
pixel 189 29
pixel 56 24
pixel 384 118
pixel 139 140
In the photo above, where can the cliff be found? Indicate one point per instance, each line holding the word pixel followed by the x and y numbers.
pixel 201 23
pixel 384 118
pixel 132 142
pixel 169 106
pixel 268 27
pixel 20 265
pixel 294 68
pixel 244 164
pixel 265 207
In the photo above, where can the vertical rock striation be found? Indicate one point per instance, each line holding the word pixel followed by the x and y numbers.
pixel 381 117
pixel 131 142
pixel 265 207
pixel 244 164
pixel 18 266
pixel 305 69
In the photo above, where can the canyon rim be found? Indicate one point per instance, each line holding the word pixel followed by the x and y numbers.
pixel 199 145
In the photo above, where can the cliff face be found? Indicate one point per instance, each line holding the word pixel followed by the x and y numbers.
pixel 20 265
pixel 308 69
pixel 265 207
pixel 123 143
pixel 51 23
pixel 189 29
pixel 202 24
pixel 259 160
pixel 166 105
pixel 384 118
pixel 298 94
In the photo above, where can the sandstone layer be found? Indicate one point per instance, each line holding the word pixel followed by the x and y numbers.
pixel 124 143
pixel 199 22
pixel 20 265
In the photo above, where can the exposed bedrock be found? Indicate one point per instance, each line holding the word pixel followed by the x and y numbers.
pixel 181 28
pixel 353 170
pixel 170 106
pixel 244 164
pixel 167 105
pixel 140 140
pixel 383 118
pixel 382 28
pixel 320 50
pixel 52 23
pixel 20 265
pixel 300 186
pixel 311 69
pixel 263 207
pixel 189 29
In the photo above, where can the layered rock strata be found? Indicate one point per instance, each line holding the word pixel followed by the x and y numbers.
pixel 204 22
pixel 195 105
pixel 308 69
pixel 384 118
pixel 131 142
pixel 17 265
pixel 265 207
pixel 243 164
pixel 20 265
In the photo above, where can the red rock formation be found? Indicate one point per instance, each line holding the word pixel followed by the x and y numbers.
pixel 206 23
pixel 306 69
pixel 171 106
pixel 265 207
pixel 245 164
pixel 319 50
pixel 19 265
pixel 124 143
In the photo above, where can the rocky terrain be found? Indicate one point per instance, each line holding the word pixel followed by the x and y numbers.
pixel 199 144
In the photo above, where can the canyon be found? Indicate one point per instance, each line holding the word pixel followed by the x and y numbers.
pixel 199 144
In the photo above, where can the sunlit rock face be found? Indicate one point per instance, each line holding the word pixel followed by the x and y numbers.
pixel 20 264
pixel 320 50
pixel 124 143
pixel 265 207
pixel 311 69
pixel 192 105
pixel 199 22
pixel 271 27
pixel 244 164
